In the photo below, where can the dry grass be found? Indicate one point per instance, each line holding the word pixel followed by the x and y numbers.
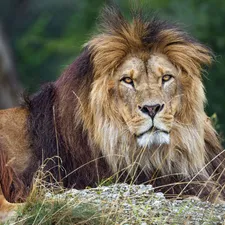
pixel 115 204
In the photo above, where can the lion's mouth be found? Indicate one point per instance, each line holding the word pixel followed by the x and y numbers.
pixel 152 129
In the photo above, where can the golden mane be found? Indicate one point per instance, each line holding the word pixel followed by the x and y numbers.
pixel 119 38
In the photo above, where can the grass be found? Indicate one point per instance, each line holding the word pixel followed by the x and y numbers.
pixel 116 204
pixel 58 212
pixel 42 209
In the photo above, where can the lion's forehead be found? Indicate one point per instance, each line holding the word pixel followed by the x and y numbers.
pixel 157 65
pixel 133 66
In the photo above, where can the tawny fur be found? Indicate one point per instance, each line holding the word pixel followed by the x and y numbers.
pixel 88 120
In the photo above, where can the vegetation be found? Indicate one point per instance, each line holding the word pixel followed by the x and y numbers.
pixel 115 204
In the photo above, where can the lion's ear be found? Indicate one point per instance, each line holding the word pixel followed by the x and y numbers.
pixel 13 188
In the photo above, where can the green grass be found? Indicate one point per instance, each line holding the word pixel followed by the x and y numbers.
pixel 58 212
pixel 41 209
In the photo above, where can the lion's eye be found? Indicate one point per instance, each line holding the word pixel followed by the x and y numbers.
pixel 127 80
pixel 166 77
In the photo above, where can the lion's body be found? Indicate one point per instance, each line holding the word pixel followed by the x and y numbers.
pixel 130 106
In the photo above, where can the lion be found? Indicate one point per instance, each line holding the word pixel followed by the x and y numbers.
pixel 130 107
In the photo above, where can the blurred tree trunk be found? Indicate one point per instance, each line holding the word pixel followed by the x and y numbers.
pixel 10 87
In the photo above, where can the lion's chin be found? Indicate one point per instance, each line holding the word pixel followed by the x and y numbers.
pixel 153 139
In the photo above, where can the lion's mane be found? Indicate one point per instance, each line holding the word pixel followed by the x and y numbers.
pixel 74 117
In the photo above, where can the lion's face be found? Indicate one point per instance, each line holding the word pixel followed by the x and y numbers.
pixel 147 97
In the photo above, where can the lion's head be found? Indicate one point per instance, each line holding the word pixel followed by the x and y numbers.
pixel 146 100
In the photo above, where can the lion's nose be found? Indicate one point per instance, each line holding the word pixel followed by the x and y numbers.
pixel 151 110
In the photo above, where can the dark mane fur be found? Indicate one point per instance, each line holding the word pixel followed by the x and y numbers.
pixel 112 21
pixel 47 142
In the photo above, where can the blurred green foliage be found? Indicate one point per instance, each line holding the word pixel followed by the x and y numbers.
pixel 46 35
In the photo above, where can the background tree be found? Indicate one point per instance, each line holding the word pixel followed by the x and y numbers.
pixel 9 84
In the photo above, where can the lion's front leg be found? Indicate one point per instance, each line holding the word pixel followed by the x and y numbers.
pixel 7 210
